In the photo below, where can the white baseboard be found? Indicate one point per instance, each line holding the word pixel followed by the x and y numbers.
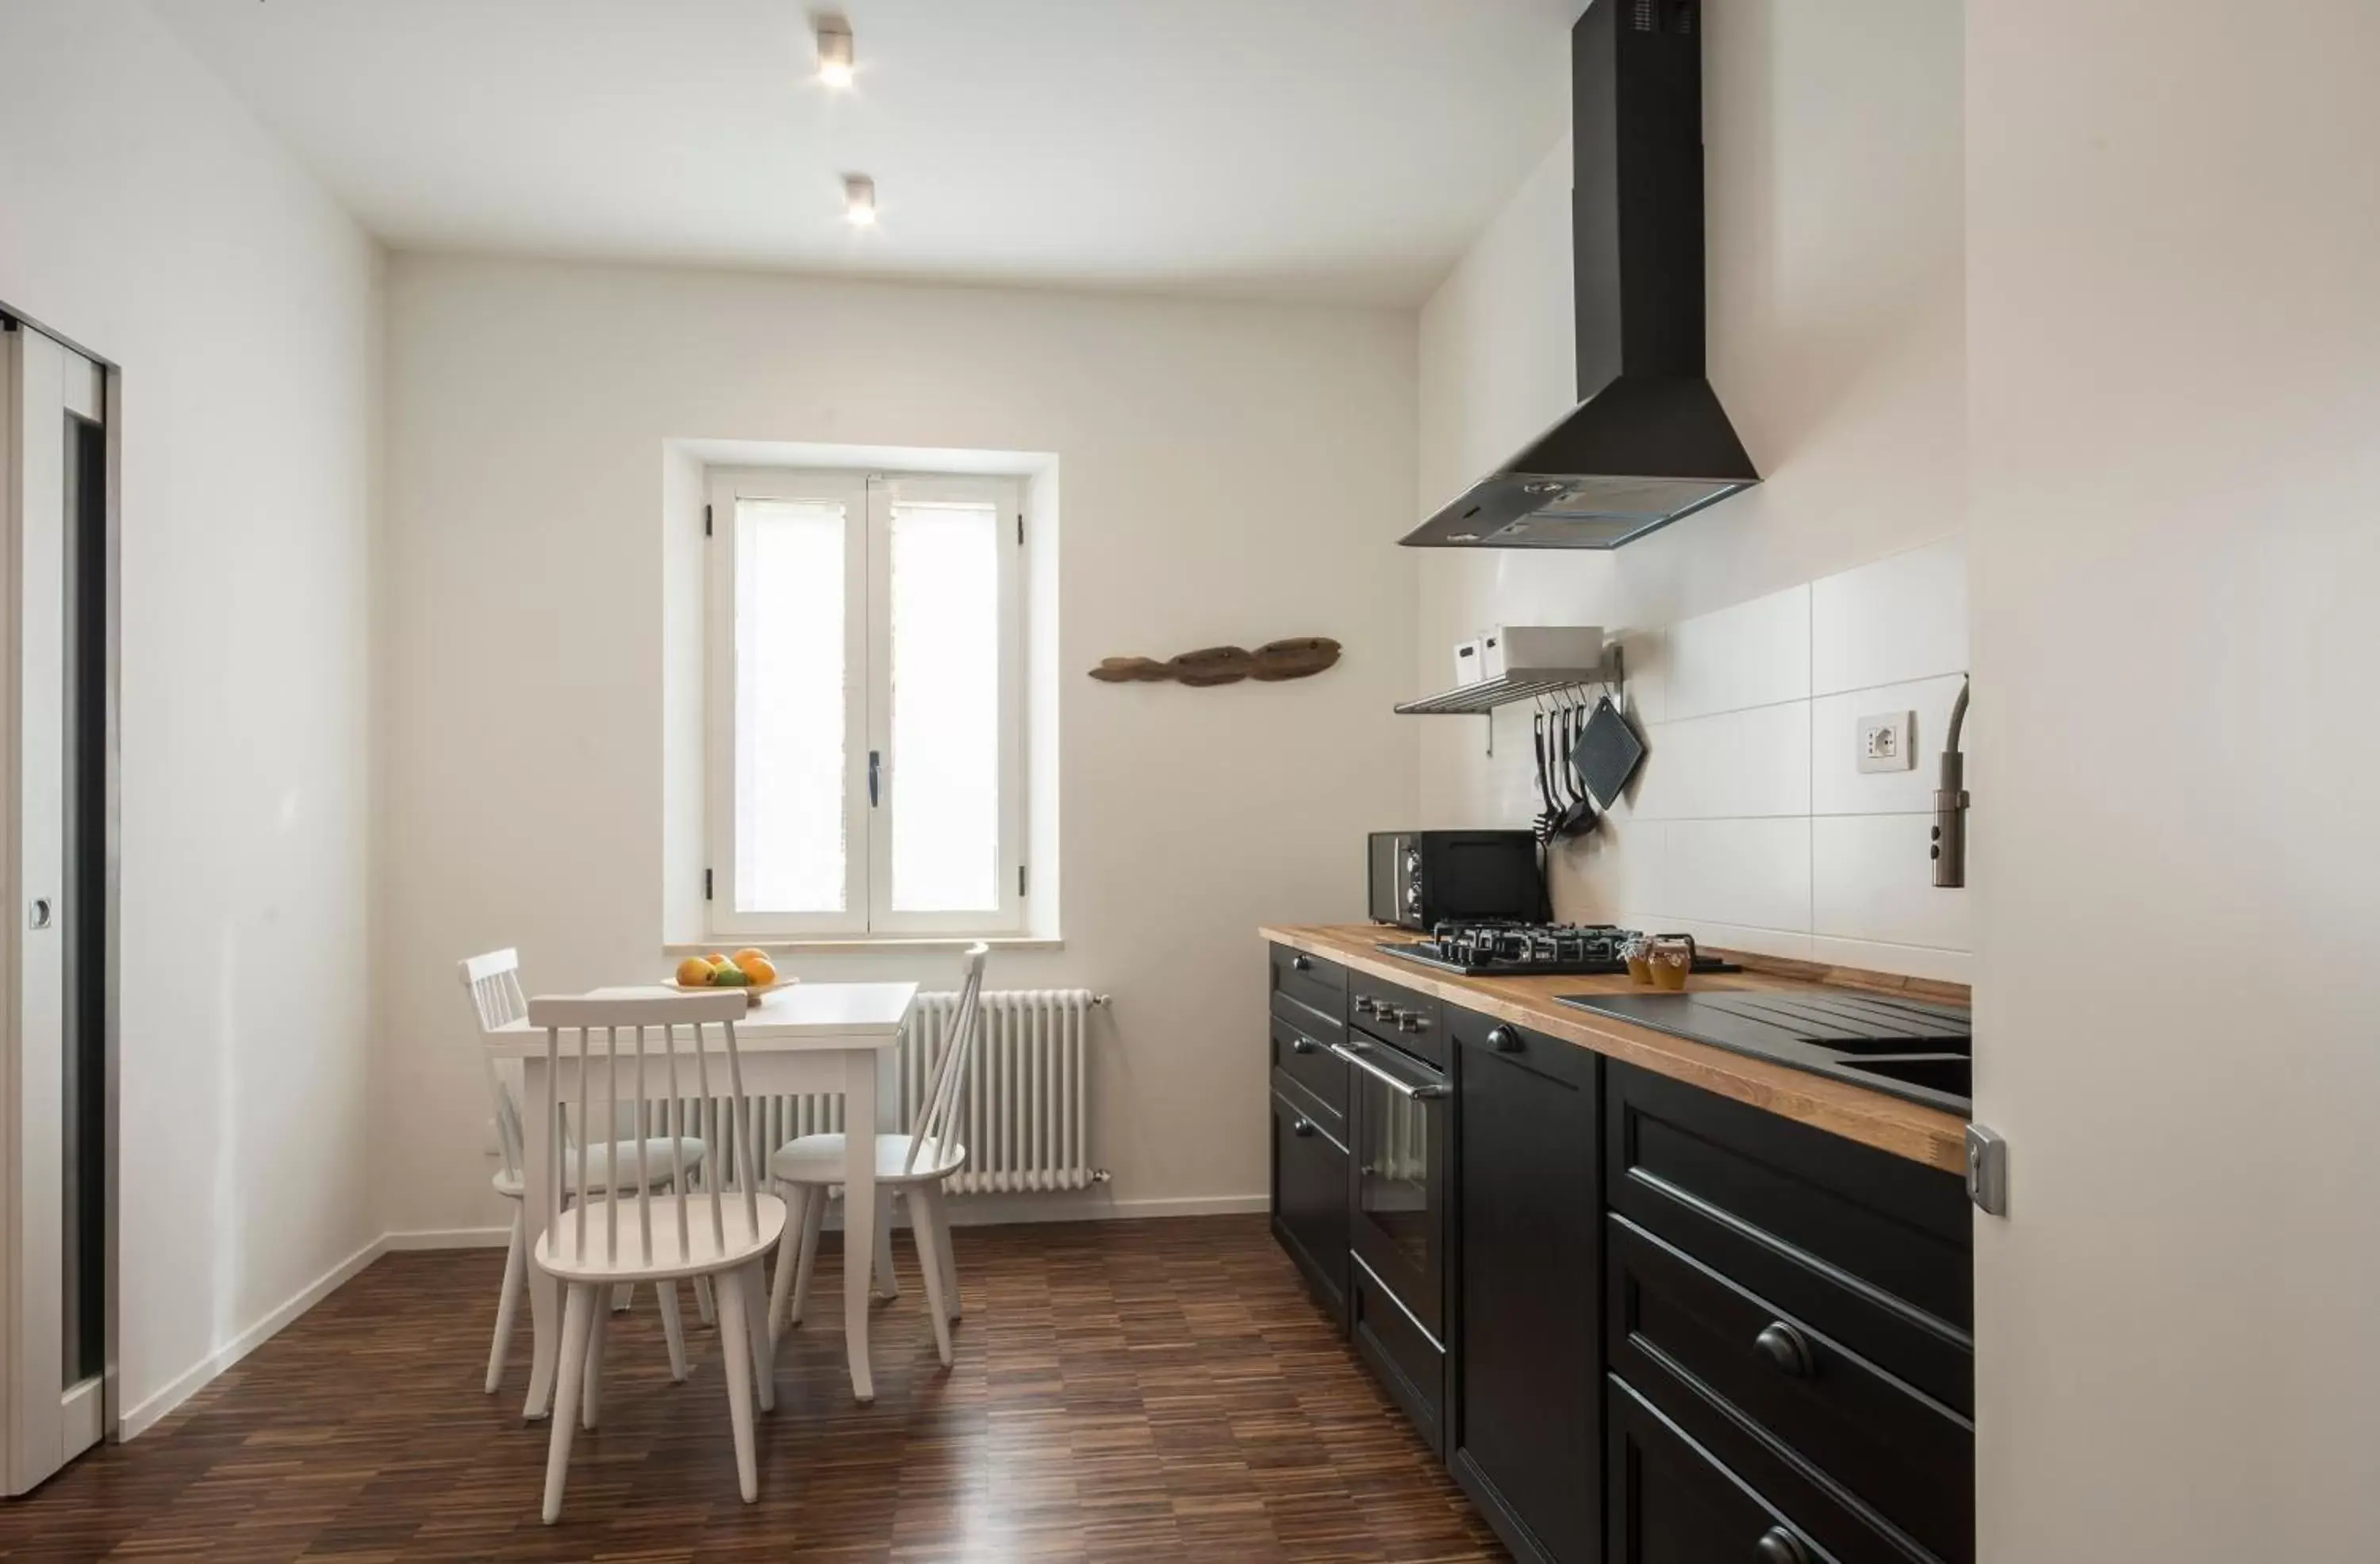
pixel 967 1210
pixel 447 1238
pixel 139 1419
pixel 1092 1204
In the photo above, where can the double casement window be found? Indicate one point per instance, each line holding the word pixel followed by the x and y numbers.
pixel 865 704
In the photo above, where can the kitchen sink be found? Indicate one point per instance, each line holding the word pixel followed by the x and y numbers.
pixel 1919 1049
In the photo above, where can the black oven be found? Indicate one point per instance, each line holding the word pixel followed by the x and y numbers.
pixel 1398 1124
pixel 1421 879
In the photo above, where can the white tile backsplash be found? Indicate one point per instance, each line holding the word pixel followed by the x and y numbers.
pixel 1755 654
pixel 1753 762
pixel 1872 878
pixel 1899 619
pixel 1751 872
pixel 1751 825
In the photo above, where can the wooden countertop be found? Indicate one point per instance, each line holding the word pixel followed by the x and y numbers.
pixel 1871 1118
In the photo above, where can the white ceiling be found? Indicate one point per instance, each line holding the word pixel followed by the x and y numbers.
pixel 1333 149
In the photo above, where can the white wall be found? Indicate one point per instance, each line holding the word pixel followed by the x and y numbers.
pixel 1835 227
pixel 2174 337
pixel 1232 473
pixel 147 216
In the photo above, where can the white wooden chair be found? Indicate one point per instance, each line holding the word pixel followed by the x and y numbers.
pixel 641 1234
pixel 915 1165
pixel 493 980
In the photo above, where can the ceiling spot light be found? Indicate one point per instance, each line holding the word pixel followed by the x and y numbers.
pixel 834 56
pixel 859 200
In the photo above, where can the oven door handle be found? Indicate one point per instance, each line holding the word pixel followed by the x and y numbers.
pixel 1429 1093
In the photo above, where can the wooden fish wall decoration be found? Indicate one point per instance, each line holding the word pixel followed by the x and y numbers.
pixel 1299 658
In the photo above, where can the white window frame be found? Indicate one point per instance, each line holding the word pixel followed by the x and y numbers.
pixel 867 498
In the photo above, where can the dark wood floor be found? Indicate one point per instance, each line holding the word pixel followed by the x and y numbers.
pixel 1125 1391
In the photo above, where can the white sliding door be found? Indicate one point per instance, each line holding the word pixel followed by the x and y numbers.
pixel 54 1162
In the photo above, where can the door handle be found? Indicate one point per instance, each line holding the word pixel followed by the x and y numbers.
pixel 875 775
pixel 1429 1093
pixel 1301 1045
pixel 37 912
pixel 1301 963
pixel 1302 1129
pixel 1503 1039
pixel 1778 1545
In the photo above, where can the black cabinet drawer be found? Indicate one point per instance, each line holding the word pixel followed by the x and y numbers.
pixel 1309 1199
pixel 1308 991
pixel 1871 1249
pixel 1307 1059
pixel 1744 1486
pixel 1413 1021
pixel 1670 1503
pixel 1401 1354
pixel 1674 1499
pixel 1905 1455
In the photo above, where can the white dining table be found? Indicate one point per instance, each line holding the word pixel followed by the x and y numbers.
pixel 804 1037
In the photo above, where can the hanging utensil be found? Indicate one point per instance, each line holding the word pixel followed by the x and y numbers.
pixel 1546 787
pixel 1578 816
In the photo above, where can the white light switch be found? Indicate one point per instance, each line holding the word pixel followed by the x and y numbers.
pixel 1884 742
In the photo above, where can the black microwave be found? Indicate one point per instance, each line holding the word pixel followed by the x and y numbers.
pixel 1420 879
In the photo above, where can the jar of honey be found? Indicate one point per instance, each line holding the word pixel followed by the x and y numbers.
pixel 1672 958
pixel 1637 951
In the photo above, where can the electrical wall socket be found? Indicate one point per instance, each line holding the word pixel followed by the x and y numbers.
pixel 1885 742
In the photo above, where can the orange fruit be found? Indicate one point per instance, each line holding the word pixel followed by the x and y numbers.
pixel 693 970
pixel 756 965
pixel 749 952
pixel 716 959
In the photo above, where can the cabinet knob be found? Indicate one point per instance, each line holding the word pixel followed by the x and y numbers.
pixel 1779 1545
pixel 1302 1129
pixel 1302 1045
pixel 1503 1039
pixel 1301 963
pixel 1788 1351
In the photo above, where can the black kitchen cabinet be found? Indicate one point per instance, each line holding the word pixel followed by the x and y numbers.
pixel 1525 1437
pixel 1309 1194
pixel 1643 1323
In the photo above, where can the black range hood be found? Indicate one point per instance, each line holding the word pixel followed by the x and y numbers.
pixel 1647 442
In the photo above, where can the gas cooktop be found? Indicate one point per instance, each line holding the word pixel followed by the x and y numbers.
pixel 1528 950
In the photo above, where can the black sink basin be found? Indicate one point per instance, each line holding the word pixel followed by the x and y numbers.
pixel 1912 1048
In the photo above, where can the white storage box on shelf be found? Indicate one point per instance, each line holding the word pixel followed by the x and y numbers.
pixel 1519 663
pixel 1515 650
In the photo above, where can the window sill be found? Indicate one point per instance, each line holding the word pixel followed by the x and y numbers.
pixel 863 944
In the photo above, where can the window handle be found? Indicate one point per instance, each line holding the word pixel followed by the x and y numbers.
pixel 875 772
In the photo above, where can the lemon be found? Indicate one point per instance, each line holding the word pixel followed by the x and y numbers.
pixel 756 967
pixel 730 978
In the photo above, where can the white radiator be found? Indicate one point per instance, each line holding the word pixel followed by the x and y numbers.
pixel 1024 1110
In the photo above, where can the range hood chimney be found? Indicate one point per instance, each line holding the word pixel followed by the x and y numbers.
pixel 1647 442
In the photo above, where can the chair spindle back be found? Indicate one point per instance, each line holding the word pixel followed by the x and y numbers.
pixel 950 1073
pixel 583 1042
pixel 493 980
